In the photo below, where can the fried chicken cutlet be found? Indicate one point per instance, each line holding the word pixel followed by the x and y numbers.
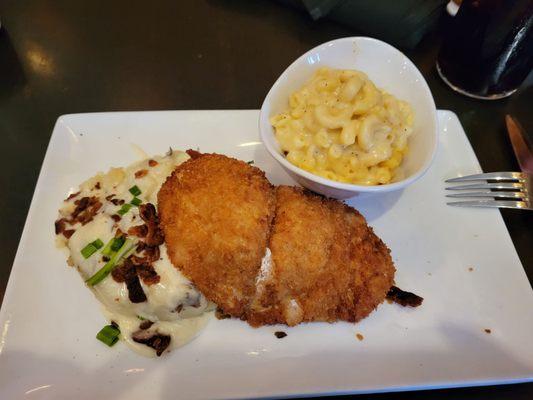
pixel 216 213
pixel 220 217
pixel 326 263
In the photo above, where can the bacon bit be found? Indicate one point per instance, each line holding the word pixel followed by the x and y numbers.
pixel 130 272
pixel 145 325
pixel 151 254
pixel 68 233
pixel 280 334
pixel 86 209
pixel 143 265
pixel 148 213
pixel 147 273
pixel 194 153
pixel 120 273
pixel 158 341
pixel 404 298
pixel 119 233
pixel 178 308
pixel 139 231
pixel 141 173
pixel 110 197
pixel 220 314
pixel 135 291
pixel 60 228
pixel 488 331
pixel 117 202
pixel 359 336
pixel 136 260
pixel 81 205
pixel 127 273
pixel 60 225
pixel 152 163
pixel 155 236
pixel 116 217
pixel 72 195
pixel 140 246
pixel 97 186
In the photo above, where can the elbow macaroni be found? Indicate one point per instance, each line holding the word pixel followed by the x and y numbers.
pixel 342 127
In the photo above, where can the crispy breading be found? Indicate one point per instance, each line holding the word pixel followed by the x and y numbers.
pixel 327 264
pixel 219 215
pixel 216 213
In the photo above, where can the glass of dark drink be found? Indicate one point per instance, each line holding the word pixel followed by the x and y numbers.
pixel 488 50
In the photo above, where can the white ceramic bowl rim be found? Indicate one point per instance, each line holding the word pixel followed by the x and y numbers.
pixel 339 185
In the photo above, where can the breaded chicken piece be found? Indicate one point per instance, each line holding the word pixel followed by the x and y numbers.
pixel 219 215
pixel 327 263
pixel 216 214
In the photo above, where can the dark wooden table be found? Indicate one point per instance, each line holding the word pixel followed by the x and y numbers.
pixel 62 56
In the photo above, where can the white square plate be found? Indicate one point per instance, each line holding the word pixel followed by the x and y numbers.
pixel 462 261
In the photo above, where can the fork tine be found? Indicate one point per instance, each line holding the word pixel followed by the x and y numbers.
pixel 485 185
pixel 490 204
pixel 491 175
pixel 488 193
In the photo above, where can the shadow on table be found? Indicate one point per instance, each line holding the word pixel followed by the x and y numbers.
pixel 12 77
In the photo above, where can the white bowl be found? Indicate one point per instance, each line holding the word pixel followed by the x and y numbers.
pixel 390 70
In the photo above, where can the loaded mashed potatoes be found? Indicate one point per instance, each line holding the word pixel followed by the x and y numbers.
pixel 110 231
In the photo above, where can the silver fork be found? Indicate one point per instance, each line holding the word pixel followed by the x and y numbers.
pixel 494 189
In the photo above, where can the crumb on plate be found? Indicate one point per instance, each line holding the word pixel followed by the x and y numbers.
pixel 280 334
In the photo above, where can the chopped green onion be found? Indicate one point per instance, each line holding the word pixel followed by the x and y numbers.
pixel 88 250
pixel 136 201
pixel 108 335
pixel 91 248
pixel 107 249
pixel 250 162
pixel 113 245
pixel 124 209
pixel 108 267
pixel 117 243
pixel 129 252
pixel 141 318
pixel 134 190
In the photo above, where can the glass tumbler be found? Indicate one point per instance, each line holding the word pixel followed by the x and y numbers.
pixel 488 50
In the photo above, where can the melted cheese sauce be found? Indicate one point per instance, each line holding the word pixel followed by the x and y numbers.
pixel 173 304
pixel 181 331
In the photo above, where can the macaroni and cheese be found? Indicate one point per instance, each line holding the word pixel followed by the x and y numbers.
pixel 342 127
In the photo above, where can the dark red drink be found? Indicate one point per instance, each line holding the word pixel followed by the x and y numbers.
pixel 488 51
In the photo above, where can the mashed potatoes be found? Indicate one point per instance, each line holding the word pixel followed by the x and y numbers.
pixel 151 301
